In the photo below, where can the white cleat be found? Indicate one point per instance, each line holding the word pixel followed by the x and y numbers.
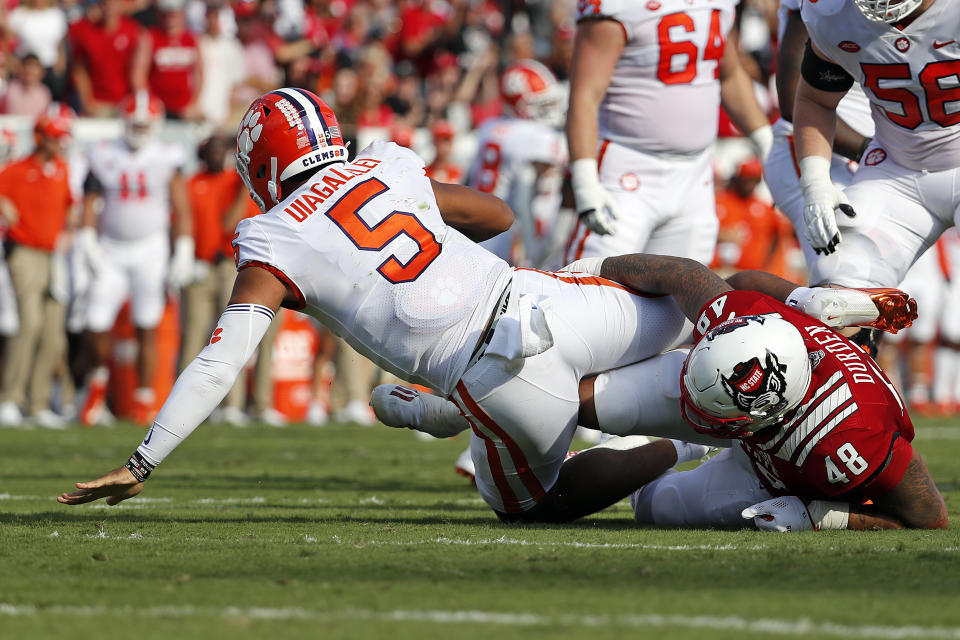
pixel 317 414
pixel 47 419
pixel 356 412
pixel 464 466
pixel 234 417
pixel 405 408
pixel 10 415
pixel 273 418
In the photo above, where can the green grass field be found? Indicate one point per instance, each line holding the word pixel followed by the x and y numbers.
pixel 349 532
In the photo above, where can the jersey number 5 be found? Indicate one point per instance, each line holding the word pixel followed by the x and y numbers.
pixel 375 238
pixel 670 48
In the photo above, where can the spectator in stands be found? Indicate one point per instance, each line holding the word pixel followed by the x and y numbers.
pixel 102 45
pixel 260 69
pixel 443 168
pixel 35 200
pixel 41 27
pixel 220 52
pixel 406 101
pixel 168 63
pixel 344 99
pixel 27 95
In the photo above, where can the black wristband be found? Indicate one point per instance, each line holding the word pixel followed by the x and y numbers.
pixel 139 467
pixel 863 147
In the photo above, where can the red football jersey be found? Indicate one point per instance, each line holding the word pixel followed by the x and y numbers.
pixel 850 435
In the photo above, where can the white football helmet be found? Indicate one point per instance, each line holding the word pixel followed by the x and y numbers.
pixel 143 116
pixel 888 11
pixel 744 375
pixel 532 92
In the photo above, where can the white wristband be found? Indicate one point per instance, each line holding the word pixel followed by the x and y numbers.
pixel 583 172
pixel 829 515
pixel 586 265
pixel 813 170
pixel 762 139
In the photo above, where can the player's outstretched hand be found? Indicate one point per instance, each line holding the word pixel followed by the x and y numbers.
pixel 784 514
pixel 116 486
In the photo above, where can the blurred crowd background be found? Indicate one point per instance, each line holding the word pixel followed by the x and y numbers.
pixel 424 73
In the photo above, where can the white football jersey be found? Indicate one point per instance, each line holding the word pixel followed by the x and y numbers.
pixel 365 250
pixel 505 146
pixel 911 76
pixel 136 186
pixel 854 107
pixel 664 96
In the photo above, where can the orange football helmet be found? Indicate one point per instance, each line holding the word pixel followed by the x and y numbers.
pixel 142 114
pixel 532 92
pixel 284 133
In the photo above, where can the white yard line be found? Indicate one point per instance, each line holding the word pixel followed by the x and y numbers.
pixel 801 626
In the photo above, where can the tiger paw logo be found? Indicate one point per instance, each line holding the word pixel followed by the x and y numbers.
pixel 875 157
pixel 215 338
pixel 446 291
pixel 250 131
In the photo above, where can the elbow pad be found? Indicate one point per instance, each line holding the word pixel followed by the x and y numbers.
pixel 207 379
pixel 822 74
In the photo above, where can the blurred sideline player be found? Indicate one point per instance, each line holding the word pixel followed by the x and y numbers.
pixel 36 202
pixel 365 247
pixel 752 235
pixel 854 129
pixel 443 168
pixel 127 246
pixel 926 282
pixel 9 316
pixel 946 382
pixel 218 201
pixel 647 83
pixel 515 151
pixel 905 192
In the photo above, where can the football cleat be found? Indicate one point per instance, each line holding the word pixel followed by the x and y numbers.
pixel 405 408
pixel 896 309
pixel 95 402
pixel 464 466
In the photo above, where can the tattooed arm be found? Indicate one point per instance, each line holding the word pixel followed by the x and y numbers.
pixel 690 283
pixel 915 503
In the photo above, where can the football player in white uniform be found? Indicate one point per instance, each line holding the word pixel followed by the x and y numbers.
pixel 647 82
pixel 127 246
pixel 371 248
pixel 906 192
pixel 514 152
pixel 854 128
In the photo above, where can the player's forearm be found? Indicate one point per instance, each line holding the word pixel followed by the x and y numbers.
pixel 182 221
pixel 767 283
pixel 814 124
pixel 738 98
pixel 866 518
pixel 848 142
pixel 582 131
pixel 690 283
pixel 206 380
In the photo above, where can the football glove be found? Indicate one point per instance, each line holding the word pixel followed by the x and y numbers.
pixel 596 208
pixel 821 200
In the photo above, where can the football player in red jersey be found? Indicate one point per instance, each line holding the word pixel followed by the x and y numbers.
pixel 816 427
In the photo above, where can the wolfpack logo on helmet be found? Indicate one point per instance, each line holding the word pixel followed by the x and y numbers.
pixel 757 388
